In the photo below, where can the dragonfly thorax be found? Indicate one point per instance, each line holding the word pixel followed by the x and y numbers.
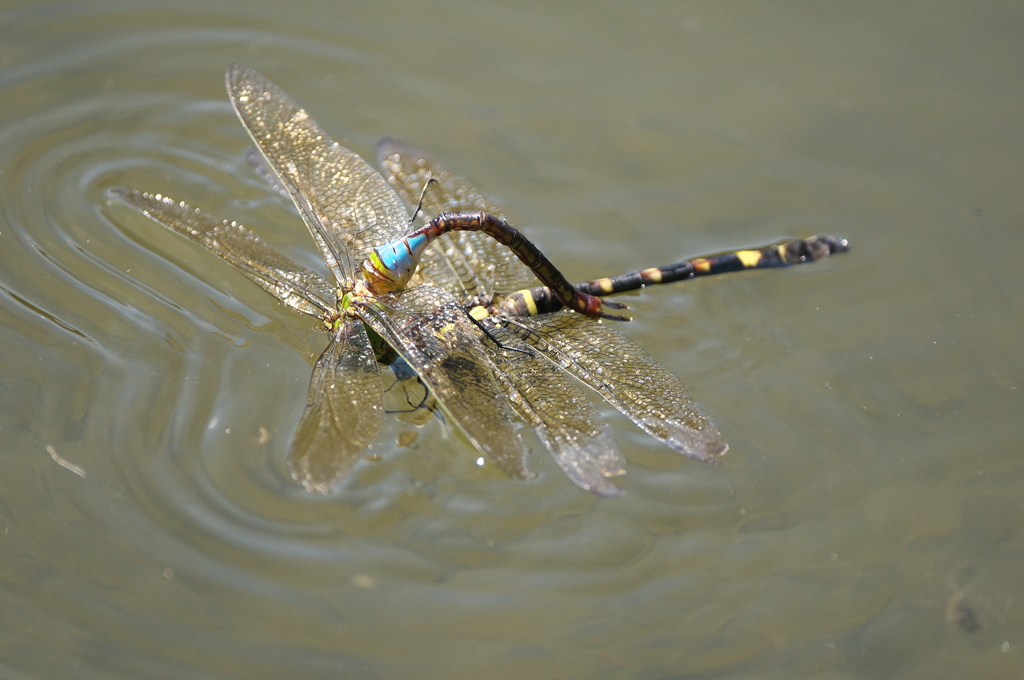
pixel 348 295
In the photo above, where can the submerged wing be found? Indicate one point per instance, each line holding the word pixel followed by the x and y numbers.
pixel 625 375
pixel 300 288
pixel 344 410
pixel 429 329
pixel 466 264
pixel 566 422
pixel 347 206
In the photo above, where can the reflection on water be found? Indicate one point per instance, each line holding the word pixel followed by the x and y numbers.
pixel 866 522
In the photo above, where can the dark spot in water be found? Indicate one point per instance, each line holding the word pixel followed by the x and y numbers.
pixel 962 614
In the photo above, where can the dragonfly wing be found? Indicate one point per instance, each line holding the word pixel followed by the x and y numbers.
pixel 344 410
pixel 346 204
pixel 626 376
pixel 466 264
pixel 567 423
pixel 296 286
pixel 259 165
pixel 429 329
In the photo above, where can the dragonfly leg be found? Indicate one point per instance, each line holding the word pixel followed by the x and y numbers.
pixel 423 192
pixel 412 407
pixel 490 336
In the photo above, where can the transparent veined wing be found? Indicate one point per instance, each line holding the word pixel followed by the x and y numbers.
pixel 259 164
pixel 625 375
pixel 432 332
pixel 466 264
pixel 565 421
pixel 346 204
pixel 344 410
pixel 296 286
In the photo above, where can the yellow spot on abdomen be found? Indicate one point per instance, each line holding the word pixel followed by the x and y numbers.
pixel 652 275
pixel 531 304
pixel 702 265
pixel 749 258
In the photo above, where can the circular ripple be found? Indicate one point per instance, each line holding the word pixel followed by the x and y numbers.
pixel 150 528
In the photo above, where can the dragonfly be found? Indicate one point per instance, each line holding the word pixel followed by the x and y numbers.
pixel 446 319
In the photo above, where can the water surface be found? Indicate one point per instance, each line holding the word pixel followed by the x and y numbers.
pixel 866 522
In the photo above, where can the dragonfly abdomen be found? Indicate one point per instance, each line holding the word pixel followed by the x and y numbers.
pixel 782 254
pixel 541 300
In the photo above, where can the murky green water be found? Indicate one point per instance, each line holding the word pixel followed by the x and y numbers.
pixel 867 522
